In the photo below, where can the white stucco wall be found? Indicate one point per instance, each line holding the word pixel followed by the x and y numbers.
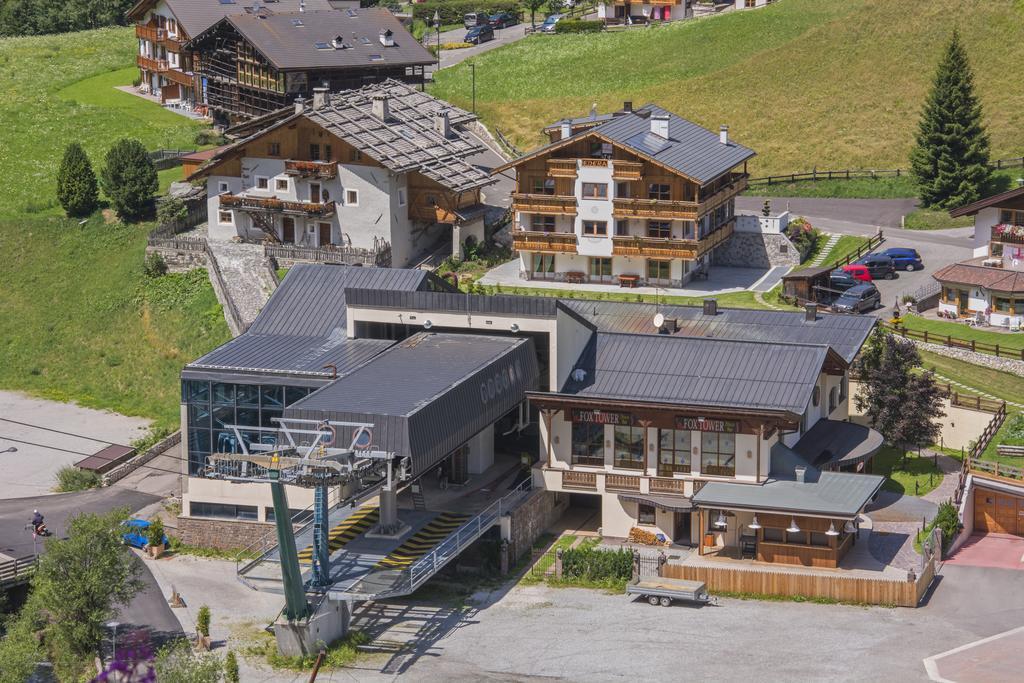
pixel 983 223
pixel 594 210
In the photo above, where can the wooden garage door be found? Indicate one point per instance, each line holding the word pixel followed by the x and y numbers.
pixel 998 513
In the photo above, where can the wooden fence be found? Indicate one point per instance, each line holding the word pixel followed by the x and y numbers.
pixel 852 173
pixel 758 581
pixel 974 456
pixel 16 571
pixel 996 469
pixel 873 242
pixel 177 243
pixel 956 342
pixel 378 256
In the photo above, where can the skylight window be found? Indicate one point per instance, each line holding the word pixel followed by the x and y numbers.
pixel 352 13
pixel 297 22
pixel 376 58
pixel 364 40
pixel 227 2
pixel 322 46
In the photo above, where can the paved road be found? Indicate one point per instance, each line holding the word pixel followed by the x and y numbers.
pixel 872 212
pixel 503 36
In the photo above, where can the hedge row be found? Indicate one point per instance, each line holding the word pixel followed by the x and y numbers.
pixel 452 11
pixel 588 563
pixel 578 26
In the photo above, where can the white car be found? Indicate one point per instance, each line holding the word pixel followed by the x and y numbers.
pixel 549 24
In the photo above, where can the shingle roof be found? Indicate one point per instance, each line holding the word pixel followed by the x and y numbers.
pixel 976 275
pixel 698 371
pixel 838 494
pixel 293 46
pixel 844 333
pixel 291 354
pixel 994 200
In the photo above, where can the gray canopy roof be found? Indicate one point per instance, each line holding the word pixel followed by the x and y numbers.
pixel 699 372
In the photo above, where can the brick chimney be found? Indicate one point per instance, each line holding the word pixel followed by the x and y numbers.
pixel 566 128
pixel 380 108
pixel 442 124
pixel 659 125
pixel 300 105
pixel 811 312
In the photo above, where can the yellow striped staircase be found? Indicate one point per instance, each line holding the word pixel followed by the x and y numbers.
pixel 346 530
pixel 423 541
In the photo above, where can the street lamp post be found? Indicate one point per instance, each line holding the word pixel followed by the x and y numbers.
pixel 472 70
pixel 437 27
pixel 113 639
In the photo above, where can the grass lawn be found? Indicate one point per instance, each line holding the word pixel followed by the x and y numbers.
pixel 81 321
pixel 1000 384
pixel 916 476
pixel 935 219
pixel 805 83
pixel 1003 437
pixel 846 244
pixel 731 300
pixel 854 188
pixel 944 328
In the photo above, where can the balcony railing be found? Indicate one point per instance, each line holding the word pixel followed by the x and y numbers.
pixel 666 470
pixel 150 64
pixel 150 33
pixel 1007 237
pixel 654 208
pixel 628 464
pixel 718 470
pixel 588 460
pixel 175 75
pixel 579 480
pixel 272 204
pixel 627 170
pixel 621 482
pixel 551 242
pixel 670 486
pixel 544 203
pixel 738 185
pixel 311 169
pixel 562 168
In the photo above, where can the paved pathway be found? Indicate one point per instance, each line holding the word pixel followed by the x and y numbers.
pixel 833 239
pixel 950 467
pixel 240 265
pixel 885 213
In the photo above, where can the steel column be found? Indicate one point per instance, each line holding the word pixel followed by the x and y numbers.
pixel 321 552
pixel 295 606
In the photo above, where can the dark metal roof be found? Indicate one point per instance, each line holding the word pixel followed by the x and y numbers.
pixel 291 46
pixel 994 200
pixel 698 372
pixel 290 354
pixel 844 333
pixel 830 442
pixel 838 494
pixel 106 459
pixel 195 16
pixel 446 302
pixel 430 393
pixel 670 503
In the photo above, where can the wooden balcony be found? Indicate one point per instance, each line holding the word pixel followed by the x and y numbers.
pixel 675 487
pixel 627 170
pixel 150 33
pixel 621 482
pixel 654 208
pixel 544 203
pixel 579 480
pixel 274 205
pixel 547 242
pixel 311 169
pixel 1007 238
pixel 179 77
pixel 155 65
pixel 738 185
pixel 664 247
pixel 562 168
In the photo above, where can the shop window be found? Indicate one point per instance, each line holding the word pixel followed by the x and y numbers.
pixel 587 444
pixel 629 447
pixel 718 454
pixel 223 511
pixel 673 451
pixel 646 514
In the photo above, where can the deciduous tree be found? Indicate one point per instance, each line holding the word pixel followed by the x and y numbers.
pixel 950 158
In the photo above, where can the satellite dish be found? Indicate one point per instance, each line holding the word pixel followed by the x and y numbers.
pixel 361 439
pixel 659 320
pixel 579 374
pixel 427 324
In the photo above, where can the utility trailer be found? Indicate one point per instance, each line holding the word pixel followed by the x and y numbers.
pixel 662 591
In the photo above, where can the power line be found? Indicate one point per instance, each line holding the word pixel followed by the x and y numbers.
pixel 56 431
pixel 92 455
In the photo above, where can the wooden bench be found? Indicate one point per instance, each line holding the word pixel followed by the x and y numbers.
pixel 575 277
pixel 628 280
pixel 1010 451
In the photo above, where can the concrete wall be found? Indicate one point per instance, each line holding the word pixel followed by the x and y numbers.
pixel 531 519
pixel 763 224
pixel 179 261
pixel 983 223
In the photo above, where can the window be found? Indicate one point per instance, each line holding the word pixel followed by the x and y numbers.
pixel 645 514
pixel 222 187
pixel 595 190
pixel 659 270
pixel 673 451
pixel 298 516
pixel 629 447
pixel 587 444
pixel 221 510
pixel 544 265
pixel 659 191
pixel 542 223
pixel 622 228
pixel 281 184
pixel 595 228
pixel 661 229
pixel 262 183
pixel 718 454
pixel 844 387
pixel 688 230
pixel 274 149
pixel 774 535
pixel 600 150
pixel 833 399
pixel 351 197
pixel 622 190
pixel 401 196
pixel 225 217
pixel 543 186
pixel 327 153
pixel 1011 217
pixel 355 155
pixel 1003 305
pixel 816 397
pixel 600 266
pixel 314 151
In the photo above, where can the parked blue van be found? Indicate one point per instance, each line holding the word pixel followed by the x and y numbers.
pixel 905 259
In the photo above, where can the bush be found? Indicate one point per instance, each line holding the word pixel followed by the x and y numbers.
pixel 154 265
pixel 70 478
pixel 209 136
pixel 171 210
pixel 579 26
pixel 803 236
pixel 203 621
pixel 452 11
pixel 948 521
pixel 76 183
pixel 590 564
pixel 231 668
pixel 1014 430
pixel 155 532
pixel 176 663
pixel 129 179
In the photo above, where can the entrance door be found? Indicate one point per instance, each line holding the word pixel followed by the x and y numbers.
pixel 459 465
pixel 682 529
pixel 325 234
pixel 314 193
pixel 998 513
pixel 288 230
pixel 961 301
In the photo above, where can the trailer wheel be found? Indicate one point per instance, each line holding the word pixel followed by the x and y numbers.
pixel 653 599
pixel 666 601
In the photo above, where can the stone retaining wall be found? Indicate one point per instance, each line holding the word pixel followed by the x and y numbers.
pixel 179 261
pixel 225 534
pixel 756 250
pixel 1015 367
pixel 539 511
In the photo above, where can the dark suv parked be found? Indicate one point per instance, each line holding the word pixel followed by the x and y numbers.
pixel 879 265
pixel 863 297
pixel 905 259
pixel 841 281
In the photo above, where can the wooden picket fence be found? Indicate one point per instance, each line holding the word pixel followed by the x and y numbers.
pixel 956 342
pixel 852 173
pixel 757 581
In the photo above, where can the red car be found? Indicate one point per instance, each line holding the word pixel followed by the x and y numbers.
pixel 858 272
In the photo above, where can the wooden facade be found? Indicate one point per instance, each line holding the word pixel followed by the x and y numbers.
pixel 998 512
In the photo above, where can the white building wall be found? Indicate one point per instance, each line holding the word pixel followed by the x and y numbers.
pixel 983 223
pixel 594 210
